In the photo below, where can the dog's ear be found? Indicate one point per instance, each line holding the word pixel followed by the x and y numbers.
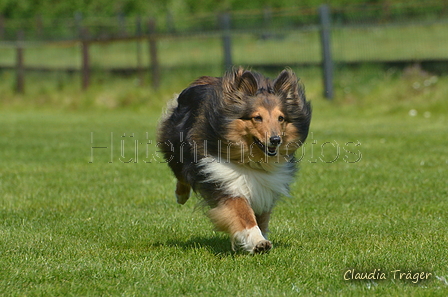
pixel 248 84
pixel 286 85
pixel 240 81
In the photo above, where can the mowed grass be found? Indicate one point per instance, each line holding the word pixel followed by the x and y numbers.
pixel 371 194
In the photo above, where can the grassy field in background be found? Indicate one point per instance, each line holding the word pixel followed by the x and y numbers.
pixel 371 194
pixel 350 44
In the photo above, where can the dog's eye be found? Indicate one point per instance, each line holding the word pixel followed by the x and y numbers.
pixel 281 119
pixel 258 119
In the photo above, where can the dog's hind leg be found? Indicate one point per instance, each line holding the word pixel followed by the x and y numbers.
pixel 236 217
pixel 182 192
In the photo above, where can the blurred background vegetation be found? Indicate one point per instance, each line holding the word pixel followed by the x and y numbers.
pixel 373 44
pixel 162 8
pixel 182 15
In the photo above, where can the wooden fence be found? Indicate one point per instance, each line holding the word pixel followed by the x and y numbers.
pixel 152 38
pixel 85 43
pixel 227 31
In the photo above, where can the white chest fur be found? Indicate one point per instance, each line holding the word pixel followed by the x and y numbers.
pixel 260 183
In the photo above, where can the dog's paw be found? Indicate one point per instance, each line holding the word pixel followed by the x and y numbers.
pixel 262 246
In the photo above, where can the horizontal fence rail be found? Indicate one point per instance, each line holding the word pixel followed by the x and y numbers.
pixel 411 32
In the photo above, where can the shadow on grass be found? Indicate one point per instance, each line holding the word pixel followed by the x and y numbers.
pixel 219 246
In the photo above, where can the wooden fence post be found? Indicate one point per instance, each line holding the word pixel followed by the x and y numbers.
pixel 267 17
pixel 78 24
pixel 139 51
pixel 122 25
pixel 2 26
pixel 20 70
pixel 327 62
pixel 171 27
pixel 155 71
pixel 225 23
pixel 39 26
pixel 85 59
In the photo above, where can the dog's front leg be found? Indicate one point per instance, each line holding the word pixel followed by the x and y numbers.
pixel 236 217
pixel 182 192
pixel 263 223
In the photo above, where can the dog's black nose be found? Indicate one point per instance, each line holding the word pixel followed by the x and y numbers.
pixel 275 140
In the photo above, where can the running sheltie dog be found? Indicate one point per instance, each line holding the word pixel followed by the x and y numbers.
pixel 232 140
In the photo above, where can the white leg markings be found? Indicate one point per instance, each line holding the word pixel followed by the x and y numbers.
pixel 247 239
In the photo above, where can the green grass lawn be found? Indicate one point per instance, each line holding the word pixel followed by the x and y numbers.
pixel 71 227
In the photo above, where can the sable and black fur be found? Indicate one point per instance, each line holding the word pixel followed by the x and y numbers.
pixel 245 122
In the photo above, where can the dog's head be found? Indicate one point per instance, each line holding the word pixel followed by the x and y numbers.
pixel 271 118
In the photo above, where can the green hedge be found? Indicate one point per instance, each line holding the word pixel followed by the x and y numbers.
pixel 160 8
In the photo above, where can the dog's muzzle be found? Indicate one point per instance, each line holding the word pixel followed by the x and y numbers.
pixel 270 148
